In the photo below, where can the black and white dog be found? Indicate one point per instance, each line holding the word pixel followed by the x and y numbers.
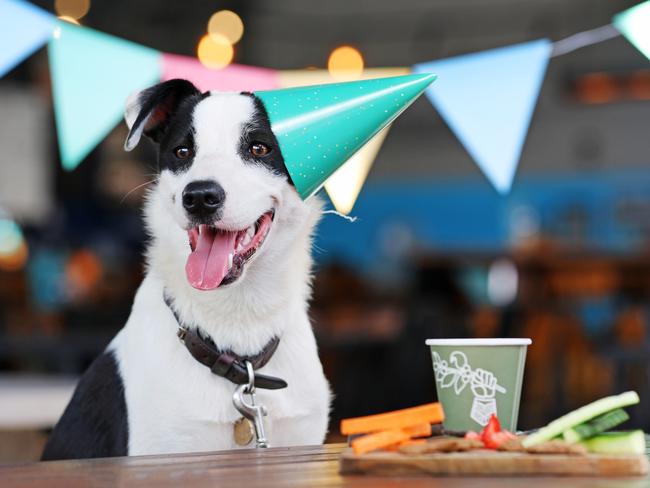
pixel 243 281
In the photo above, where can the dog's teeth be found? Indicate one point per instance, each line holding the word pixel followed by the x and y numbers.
pixel 250 232
pixel 230 258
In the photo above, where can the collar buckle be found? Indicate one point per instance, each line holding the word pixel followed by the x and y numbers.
pixel 182 333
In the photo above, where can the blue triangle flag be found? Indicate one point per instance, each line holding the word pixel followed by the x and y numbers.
pixel 92 76
pixel 23 29
pixel 488 99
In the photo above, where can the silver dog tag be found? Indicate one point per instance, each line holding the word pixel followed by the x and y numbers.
pixel 243 431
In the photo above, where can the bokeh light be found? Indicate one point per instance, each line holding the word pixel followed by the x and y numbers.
pixel 215 52
pixel 13 249
pixel 15 261
pixel 11 237
pixel 502 282
pixel 67 18
pixel 71 9
pixel 345 63
pixel 227 24
pixel 83 272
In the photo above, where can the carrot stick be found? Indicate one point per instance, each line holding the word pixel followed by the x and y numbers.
pixel 429 413
pixel 393 447
pixel 419 430
pixel 387 438
pixel 410 442
pixel 378 440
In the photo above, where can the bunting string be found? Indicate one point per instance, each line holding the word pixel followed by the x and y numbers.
pixel 584 39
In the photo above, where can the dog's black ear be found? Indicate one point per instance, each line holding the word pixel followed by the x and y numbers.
pixel 148 112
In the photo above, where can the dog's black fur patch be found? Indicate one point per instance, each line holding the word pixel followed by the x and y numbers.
pixel 94 423
pixel 166 111
pixel 179 132
pixel 259 130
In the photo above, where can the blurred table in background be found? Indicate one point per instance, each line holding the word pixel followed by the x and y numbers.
pixel 29 406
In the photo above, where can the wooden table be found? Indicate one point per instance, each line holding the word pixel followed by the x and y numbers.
pixel 312 466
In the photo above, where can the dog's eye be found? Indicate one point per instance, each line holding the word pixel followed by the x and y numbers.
pixel 182 152
pixel 259 150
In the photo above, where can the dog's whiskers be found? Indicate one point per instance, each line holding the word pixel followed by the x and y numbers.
pixel 339 214
pixel 136 189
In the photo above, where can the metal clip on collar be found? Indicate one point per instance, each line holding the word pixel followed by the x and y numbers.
pixel 254 413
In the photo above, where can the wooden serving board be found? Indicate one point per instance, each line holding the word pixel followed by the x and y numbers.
pixel 492 463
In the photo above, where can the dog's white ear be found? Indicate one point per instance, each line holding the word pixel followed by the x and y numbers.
pixel 132 108
pixel 148 111
pixel 131 113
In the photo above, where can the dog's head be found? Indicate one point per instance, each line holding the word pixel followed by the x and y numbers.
pixel 222 188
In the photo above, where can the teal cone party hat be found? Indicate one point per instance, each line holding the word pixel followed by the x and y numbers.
pixel 320 127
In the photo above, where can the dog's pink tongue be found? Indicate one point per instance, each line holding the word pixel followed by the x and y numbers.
pixel 208 264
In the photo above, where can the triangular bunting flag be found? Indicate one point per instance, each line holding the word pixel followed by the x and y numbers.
pixel 23 29
pixel 92 76
pixel 488 99
pixel 344 186
pixel 234 77
pixel 634 24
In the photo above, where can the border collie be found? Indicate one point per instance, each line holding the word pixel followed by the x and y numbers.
pixel 229 259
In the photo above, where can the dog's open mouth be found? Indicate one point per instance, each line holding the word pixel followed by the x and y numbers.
pixel 218 256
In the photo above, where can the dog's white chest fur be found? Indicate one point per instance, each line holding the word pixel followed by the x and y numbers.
pixel 175 404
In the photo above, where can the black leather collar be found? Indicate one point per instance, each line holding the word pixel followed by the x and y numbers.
pixel 226 364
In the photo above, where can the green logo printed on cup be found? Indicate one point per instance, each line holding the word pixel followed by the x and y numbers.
pixel 458 374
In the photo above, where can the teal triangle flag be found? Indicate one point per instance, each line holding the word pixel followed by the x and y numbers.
pixel 92 75
pixel 487 99
pixel 634 24
pixel 23 29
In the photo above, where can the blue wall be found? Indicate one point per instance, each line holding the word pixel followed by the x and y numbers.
pixel 457 216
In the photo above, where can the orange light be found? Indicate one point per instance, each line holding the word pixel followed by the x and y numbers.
pixel 227 24
pixel 215 52
pixel 15 260
pixel 73 9
pixel 345 63
pixel 597 88
pixel 83 271
pixel 638 85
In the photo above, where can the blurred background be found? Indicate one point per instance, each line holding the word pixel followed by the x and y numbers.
pixel 436 252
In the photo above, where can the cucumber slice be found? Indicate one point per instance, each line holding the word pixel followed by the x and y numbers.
pixel 631 442
pixel 595 426
pixel 581 415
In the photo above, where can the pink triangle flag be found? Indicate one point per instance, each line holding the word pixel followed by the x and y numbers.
pixel 235 77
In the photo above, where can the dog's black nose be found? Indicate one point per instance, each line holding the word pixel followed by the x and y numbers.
pixel 203 198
